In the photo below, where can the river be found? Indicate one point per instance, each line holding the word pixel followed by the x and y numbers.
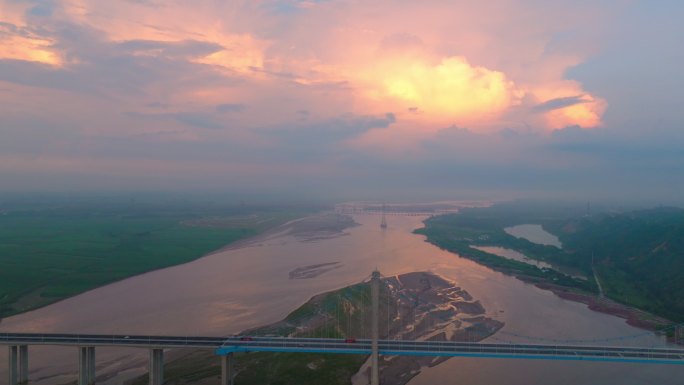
pixel 249 285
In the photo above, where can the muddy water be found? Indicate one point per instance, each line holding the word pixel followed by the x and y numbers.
pixel 248 286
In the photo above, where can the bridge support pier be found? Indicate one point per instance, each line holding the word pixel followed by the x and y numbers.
pixel 18 364
pixel 156 366
pixel 23 364
pixel 227 369
pixel 86 365
pixel 13 355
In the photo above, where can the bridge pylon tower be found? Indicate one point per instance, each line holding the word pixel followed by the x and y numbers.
pixel 375 314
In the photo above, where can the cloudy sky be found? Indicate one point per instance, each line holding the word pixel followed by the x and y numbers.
pixel 348 99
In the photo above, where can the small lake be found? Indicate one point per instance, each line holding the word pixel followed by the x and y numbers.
pixel 535 234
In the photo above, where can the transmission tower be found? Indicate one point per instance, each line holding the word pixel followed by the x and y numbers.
pixel 383 222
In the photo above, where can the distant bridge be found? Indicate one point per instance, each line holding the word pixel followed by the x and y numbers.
pixel 225 347
pixel 393 212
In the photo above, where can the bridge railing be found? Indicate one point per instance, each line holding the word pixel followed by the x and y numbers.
pixel 100 339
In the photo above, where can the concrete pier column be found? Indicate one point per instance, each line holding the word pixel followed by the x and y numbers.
pixel 82 363
pixel 13 368
pixel 227 369
pixel 91 366
pixel 23 364
pixel 86 365
pixel 156 366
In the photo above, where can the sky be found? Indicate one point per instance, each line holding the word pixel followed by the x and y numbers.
pixel 382 99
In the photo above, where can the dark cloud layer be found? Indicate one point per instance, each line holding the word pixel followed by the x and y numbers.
pixel 558 103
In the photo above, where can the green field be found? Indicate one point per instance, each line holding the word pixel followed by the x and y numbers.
pixel 259 368
pixel 52 253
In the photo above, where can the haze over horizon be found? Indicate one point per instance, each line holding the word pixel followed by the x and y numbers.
pixel 345 99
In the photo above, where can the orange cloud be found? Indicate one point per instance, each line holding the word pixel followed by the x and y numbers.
pixel 586 112
pixel 126 21
pixel 586 115
pixel 18 42
pixel 242 53
pixel 433 65
pixel 451 90
pixel 29 49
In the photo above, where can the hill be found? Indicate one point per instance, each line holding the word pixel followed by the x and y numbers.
pixel 638 256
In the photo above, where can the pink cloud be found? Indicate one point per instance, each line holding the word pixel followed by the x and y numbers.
pixel 481 65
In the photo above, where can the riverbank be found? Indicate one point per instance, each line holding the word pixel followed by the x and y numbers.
pixel 309 228
pixel 52 254
pixel 458 236
pixel 633 316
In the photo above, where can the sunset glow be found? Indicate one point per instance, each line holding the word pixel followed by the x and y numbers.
pixel 451 90
pixel 28 49
pixel 402 76
pixel 338 80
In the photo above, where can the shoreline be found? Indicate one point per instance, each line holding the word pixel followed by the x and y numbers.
pixel 633 316
pixel 284 228
pixel 595 301
pixel 296 227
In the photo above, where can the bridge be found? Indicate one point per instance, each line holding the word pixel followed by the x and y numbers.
pixel 226 347
pixel 393 210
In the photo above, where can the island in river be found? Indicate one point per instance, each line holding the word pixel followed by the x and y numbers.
pixel 417 306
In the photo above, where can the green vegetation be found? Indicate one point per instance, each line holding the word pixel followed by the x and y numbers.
pixel 264 368
pixel 298 368
pixel 638 255
pixel 52 253
pixel 484 227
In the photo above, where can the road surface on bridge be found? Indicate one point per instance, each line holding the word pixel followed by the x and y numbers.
pixel 226 345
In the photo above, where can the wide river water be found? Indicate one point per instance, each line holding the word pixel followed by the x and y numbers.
pixel 249 285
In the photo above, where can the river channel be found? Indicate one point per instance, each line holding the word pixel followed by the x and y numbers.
pixel 249 285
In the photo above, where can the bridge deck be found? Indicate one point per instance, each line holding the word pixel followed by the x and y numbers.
pixel 225 345
pixel 110 340
pixel 461 349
